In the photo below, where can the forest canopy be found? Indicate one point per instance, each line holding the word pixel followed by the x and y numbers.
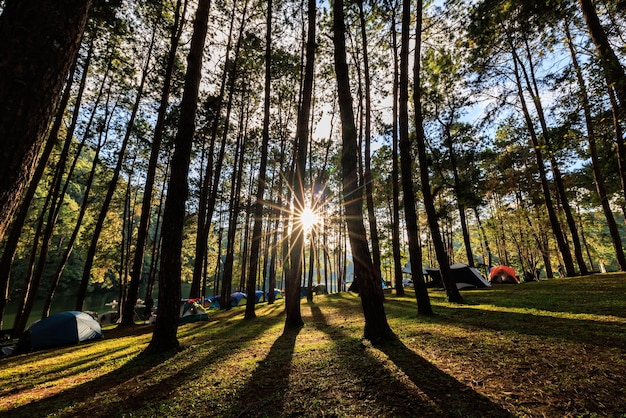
pixel 518 130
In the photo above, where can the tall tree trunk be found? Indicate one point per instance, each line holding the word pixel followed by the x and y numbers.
pixel 487 255
pixel 457 189
pixel 531 83
pixel 595 160
pixel 395 180
pixel 70 244
pixel 146 206
pixel 39 42
pixel 234 208
pixel 406 165
pixel 164 336
pixel 258 205
pixel 620 144
pixel 292 281
pixel 440 251
pixel 613 69
pixel 376 327
pixel 12 241
pixel 208 194
pixel 367 174
pixel 156 244
pixel 91 252
pixel 552 216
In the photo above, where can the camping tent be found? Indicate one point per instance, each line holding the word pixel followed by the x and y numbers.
pixel 464 276
pixel 192 311
pixel 238 299
pixel 278 294
pixel 467 277
pixel 503 274
pixel 63 328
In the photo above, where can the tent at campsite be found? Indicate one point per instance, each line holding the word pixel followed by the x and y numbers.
pixel 464 276
pixel 238 299
pixel 258 295
pixel 503 274
pixel 60 329
pixel 192 311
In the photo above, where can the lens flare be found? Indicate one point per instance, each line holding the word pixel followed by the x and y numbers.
pixel 308 218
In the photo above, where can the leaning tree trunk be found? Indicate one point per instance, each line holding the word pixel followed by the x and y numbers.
pixel 429 205
pixel 613 69
pixel 376 327
pixel 531 84
pixel 91 252
pixel 595 161
pixel 554 221
pixel 155 148
pixel 458 192
pixel 19 221
pixel 39 42
pixel 213 169
pixel 164 337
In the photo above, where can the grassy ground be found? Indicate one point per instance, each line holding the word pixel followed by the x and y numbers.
pixel 553 348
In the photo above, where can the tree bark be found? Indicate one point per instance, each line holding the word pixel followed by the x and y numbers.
pixel 376 329
pixel 613 69
pixel 155 148
pixel 39 41
pixel 91 252
pixel 367 173
pixel 292 280
pixel 554 221
pixel 406 166
pixel 258 205
pixel 595 160
pixel 164 337
pixel 440 251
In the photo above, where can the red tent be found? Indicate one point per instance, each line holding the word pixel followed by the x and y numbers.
pixel 503 274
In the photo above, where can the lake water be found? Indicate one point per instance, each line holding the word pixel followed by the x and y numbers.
pixel 95 303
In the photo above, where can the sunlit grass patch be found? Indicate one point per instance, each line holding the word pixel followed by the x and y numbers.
pixel 505 352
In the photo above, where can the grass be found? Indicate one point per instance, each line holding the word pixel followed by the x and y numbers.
pixel 553 348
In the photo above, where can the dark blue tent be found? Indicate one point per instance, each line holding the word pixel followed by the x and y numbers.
pixel 60 329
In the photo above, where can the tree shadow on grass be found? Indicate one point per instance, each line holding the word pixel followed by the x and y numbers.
pixel 577 330
pixel 451 396
pixel 125 389
pixel 263 394
pixel 430 393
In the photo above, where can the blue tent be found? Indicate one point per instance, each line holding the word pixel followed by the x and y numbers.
pixel 60 329
pixel 238 299
pixel 258 295
pixel 192 311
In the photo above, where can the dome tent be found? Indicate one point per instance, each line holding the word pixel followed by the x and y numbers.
pixel 60 329
pixel 503 274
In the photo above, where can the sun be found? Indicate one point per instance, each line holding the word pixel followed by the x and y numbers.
pixel 308 218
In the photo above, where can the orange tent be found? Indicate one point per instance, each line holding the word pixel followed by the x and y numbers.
pixel 503 274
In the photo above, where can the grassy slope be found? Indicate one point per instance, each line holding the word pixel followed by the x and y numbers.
pixel 553 348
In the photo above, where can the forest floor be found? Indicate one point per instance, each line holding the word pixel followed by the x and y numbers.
pixel 555 348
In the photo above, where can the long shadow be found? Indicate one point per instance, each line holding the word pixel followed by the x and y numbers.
pixel 82 400
pixel 436 394
pixel 451 396
pixel 587 331
pixel 263 394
